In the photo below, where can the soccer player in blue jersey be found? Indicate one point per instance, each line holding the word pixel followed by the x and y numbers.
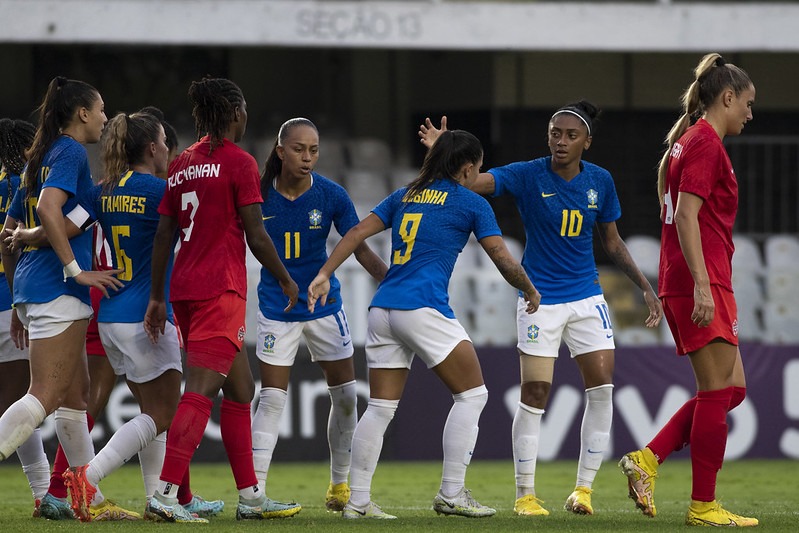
pixel 431 220
pixel 134 150
pixel 15 137
pixel 561 198
pixel 299 210
pixel 51 285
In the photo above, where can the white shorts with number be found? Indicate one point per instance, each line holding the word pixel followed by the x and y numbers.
pixel 52 318
pixel 133 355
pixel 8 351
pixel 328 339
pixel 395 335
pixel 583 325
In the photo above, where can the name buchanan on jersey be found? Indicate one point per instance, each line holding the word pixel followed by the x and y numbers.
pixel 428 196
pixel 206 170
pixel 123 204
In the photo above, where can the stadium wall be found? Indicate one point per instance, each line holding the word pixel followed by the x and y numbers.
pixel 650 385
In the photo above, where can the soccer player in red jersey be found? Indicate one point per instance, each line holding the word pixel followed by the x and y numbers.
pixel 212 202
pixel 699 200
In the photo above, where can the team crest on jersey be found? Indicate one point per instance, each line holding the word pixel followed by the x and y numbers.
pixel 242 331
pixel 593 196
pixel 269 343
pixel 314 218
pixel 532 333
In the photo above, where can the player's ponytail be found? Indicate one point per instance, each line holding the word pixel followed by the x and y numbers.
pixel 452 150
pixel 124 142
pixel 712 76
pixel 62 99
pixel 214 102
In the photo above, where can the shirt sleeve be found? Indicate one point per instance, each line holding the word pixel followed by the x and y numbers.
pixel 248 182
pixel 65 168
pixel 700 168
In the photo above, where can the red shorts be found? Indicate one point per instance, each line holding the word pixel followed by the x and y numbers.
pixel 204 323
pixel 93 344
pixel 688 336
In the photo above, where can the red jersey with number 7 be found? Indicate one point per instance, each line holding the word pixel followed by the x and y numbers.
pixel 204 192
pixel 699 164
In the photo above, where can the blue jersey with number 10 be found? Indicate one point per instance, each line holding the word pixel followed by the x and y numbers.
pixel 39 276
pixel 559 218
pixel 428 232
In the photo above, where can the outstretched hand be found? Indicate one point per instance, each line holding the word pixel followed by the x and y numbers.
pixel 655 309
pixel 317 291
pixel 429 134
pixel 533 300
pixel 100 279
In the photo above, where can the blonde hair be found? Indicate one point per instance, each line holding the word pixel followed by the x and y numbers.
pixel 711 77
pixel 124 141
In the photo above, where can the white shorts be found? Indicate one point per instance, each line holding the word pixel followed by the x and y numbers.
pixel 132 355
pixel 8 351
pixel 395 335
pixel 52 318
pixel 328 339
pixel 583 325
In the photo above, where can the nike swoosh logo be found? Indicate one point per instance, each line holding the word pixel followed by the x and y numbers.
pixel 346 342
pixel 268 218
pixel 527 460
pixel 547 195
pixel 592 451
pixel 609 336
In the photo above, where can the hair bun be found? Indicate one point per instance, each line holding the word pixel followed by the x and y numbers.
pixel 720 62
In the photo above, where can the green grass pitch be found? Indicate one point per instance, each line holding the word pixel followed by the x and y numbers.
pixel 766 489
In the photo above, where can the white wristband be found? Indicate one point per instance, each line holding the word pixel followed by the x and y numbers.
pixel 71 270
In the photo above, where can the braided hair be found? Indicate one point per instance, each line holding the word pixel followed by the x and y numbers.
pixel 214 102
pixel 16 136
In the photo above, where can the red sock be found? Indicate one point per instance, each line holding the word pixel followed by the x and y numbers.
pixel 708 441
pixel 185 435
pixel 184 491
pixel 60 464
pixel 676 434
pixel 738 395
pixel 236 427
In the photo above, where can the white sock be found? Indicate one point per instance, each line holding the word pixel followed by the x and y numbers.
pixel 72 429
pixel 265 431
pixel 367 442
pixel 594 432
pixel 18 423
pixel 126 442
pixel 167 492
pixel 340 427
pixel 151 460
pixel 460 436
pixel 35 464
pixel 525 432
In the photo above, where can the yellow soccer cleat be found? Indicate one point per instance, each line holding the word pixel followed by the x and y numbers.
pixel 337 496
pixel 640 467
pixel 110 511
pixel 265 508
pixel 579 502
pixel 712 514
pixel 529 506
